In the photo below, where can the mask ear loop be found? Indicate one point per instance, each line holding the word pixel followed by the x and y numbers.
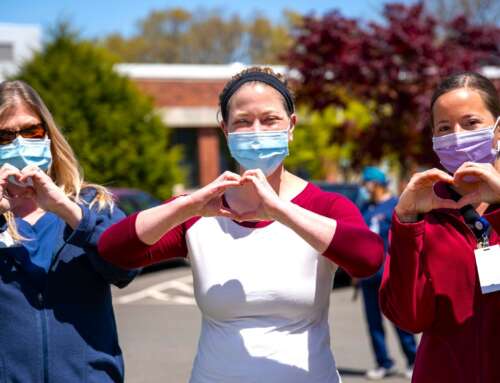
pixel 494 129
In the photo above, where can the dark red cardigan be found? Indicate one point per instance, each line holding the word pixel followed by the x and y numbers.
pixel 431 285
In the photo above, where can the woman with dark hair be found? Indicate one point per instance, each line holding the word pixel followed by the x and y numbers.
pixel 442 277
pixel 263 245
pixel 56 316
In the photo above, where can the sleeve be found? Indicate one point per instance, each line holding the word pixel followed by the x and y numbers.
pixel 355 248
pixel 406 294
pixel 493 218
pixel 120 245
pixel 93 223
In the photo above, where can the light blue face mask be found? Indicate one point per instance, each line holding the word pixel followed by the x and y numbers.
pixel 259 150
pixel 27 151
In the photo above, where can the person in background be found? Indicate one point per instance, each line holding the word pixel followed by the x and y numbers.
pixel 377 214
pixel 442 275
pixel 263 245
pixel 56 318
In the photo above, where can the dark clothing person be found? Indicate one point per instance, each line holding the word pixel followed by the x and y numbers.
pixel 378 218
pixel 378 214
pixel 56 317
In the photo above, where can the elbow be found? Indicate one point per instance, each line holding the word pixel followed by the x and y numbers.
pixel 373 260
pixel 111 254
pixel 404 316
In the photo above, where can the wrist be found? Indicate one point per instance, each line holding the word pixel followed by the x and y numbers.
pixel 69 211
pixel 187 206
pixel 405 216
pixel 61 206
pixel 280 210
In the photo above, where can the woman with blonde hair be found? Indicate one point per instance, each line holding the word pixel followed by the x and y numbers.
pixel 263 244
pixel 56 318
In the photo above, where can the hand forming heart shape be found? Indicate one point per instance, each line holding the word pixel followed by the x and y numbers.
pixel 419 195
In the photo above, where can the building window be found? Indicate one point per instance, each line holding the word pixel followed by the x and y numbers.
pixel 6 51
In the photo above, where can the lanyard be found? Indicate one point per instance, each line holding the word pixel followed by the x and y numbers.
pixel 479 225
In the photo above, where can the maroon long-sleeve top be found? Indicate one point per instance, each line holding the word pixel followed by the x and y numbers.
pixel 431 285
pixel 353 246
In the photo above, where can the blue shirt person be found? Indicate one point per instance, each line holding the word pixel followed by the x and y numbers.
pixel 56 316
pixel 377 214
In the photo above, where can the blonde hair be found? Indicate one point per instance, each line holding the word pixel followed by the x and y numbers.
pixel 64 170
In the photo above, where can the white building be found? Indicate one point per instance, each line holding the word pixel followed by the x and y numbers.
pixel 18 42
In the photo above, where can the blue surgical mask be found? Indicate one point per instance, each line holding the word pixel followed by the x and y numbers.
pixel 27 151
pixel 259 150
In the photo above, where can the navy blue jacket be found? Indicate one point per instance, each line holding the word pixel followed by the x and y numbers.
pixel 378 217
pixel 58 325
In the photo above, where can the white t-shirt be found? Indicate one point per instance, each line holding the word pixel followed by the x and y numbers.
pixel 264 295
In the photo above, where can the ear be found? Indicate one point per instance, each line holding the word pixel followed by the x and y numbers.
pixel 223 127
pixel 293 122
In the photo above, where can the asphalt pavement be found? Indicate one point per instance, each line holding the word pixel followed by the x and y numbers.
pixel 159 324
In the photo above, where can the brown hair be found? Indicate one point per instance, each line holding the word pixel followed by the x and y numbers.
pixel 224 104
pixel 470 80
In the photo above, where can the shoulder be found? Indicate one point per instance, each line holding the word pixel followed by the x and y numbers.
pixel 88 193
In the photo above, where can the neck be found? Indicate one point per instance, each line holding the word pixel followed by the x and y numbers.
pixel 25 208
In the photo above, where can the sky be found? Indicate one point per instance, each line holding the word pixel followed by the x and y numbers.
pixel 98 18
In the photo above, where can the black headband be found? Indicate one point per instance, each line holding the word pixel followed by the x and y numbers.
pixel 266 78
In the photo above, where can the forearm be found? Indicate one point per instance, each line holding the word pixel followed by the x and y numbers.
pixel 70 212
pixel 152 224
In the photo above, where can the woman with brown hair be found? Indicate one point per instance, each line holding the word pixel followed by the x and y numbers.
pixel 263 245
pixel 56 317
pixel 442 277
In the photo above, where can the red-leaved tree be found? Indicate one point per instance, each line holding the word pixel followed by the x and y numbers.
pixel 396 63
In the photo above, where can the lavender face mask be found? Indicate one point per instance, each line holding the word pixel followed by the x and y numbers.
pixel 456 148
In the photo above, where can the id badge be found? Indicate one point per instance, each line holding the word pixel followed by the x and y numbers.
pixel 488 268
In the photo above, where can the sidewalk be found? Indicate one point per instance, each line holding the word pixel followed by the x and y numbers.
pixel 350 342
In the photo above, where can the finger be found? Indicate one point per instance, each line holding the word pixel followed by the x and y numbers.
pixel 430 177
pixel 221 187
pixel 248 216
pixel 445 203
pixel 257 173
pixel 227 175
pixel 9 173
pixel 249 178
pixel 213 191
pixel 8 170
pixel 477 171
pixel 468 199
pixel 33 173
pixel 227 213
pixel 29 168
pixel 437 175
pixel 7 167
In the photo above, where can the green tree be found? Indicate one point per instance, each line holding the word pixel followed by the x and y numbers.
pixel 266 40
pixel 175 35
pixel 112 127
pixel 320 148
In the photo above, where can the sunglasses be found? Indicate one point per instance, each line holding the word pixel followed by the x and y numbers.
pixel 31 131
